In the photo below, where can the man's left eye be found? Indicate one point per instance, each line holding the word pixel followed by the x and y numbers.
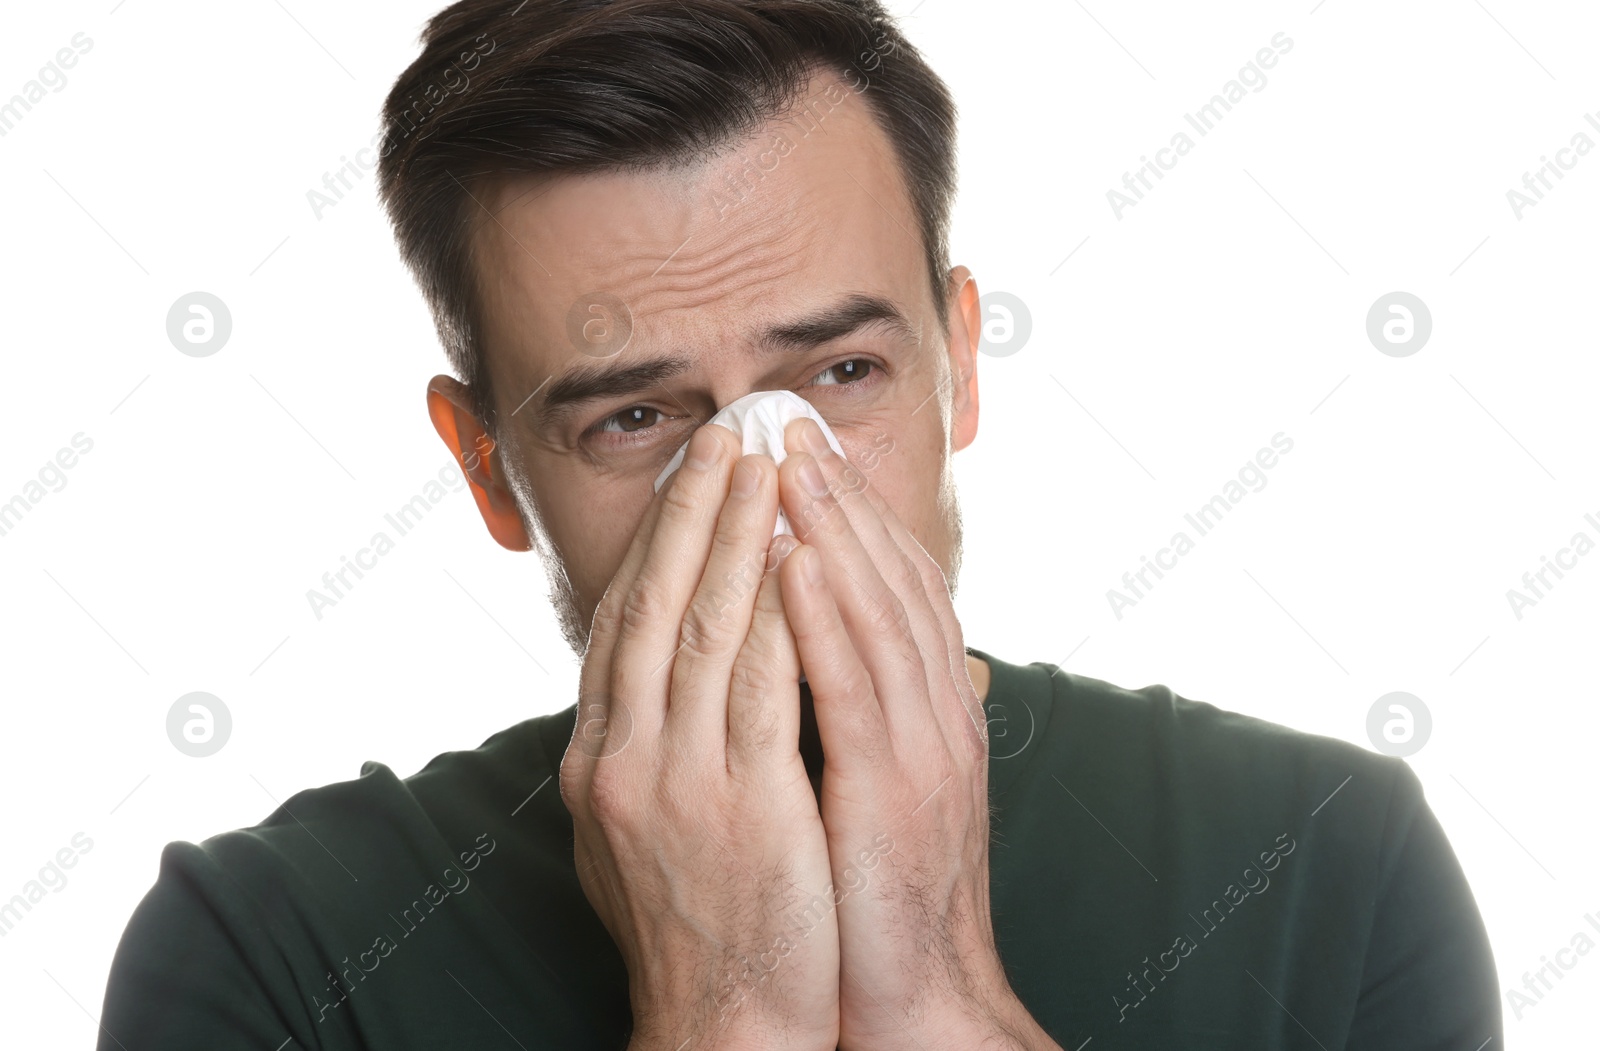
pixel 851 371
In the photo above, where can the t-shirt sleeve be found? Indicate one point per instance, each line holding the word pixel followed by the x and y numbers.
pixel 1428 981
pixel 195 968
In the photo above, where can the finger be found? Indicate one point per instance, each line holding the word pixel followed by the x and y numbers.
pixel 596 720
pixel 868 514
pixel 850 722
pixel 936 587
pixel 764 691
pixel 604 626
pixel 880 623
pixel 717 620
pixel 648 611
pixel 904 563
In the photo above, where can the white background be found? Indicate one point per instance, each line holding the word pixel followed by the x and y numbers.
pixel 1167 347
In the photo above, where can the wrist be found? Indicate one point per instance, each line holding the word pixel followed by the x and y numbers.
pixel 715 1036
pixel 737 1025
pixel 994 1019
pixel 727 1041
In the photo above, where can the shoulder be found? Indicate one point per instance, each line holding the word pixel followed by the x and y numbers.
pixel 1246 841
pixel 326 849
pixel 1193 782
pixel 1193 744
pixel 379 811
pixel 1181 775
pixel 266 910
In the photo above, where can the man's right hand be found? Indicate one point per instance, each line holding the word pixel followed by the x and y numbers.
pixel 698 839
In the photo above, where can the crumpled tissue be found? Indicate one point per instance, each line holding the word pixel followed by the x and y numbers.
pixel 758 421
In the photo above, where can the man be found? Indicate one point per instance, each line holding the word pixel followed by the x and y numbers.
pixel 626 215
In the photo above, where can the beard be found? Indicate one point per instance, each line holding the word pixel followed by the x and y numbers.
pixel 564 602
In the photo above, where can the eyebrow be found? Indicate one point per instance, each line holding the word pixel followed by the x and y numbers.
pixel 832 322
pixel 589 383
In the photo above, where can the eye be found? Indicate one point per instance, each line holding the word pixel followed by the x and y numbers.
pixel 845 372
pixel 634 418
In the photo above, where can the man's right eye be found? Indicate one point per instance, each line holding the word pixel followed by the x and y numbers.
pixel 633 418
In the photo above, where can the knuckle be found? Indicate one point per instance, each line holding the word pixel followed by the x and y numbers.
pixel 751 676
pixel 705 631
pixel 757 726
pixel 609 799
pixel 853 681
pixel 907 577
pixel 887 616
pixel 929 570
pixel 680 500
pixel 642 606
pixel 975 742
pixel 570 781
pixel 770 643
pixel 862 737
pixel 608 614
pixel 753 719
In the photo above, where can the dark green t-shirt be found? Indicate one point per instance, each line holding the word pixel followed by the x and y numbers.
pixel 1164 874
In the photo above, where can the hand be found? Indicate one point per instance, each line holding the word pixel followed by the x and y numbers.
pixel 698 839
pixel 905 779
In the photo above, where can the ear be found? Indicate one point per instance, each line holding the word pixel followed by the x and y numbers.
pixel 450 407
pixel 964 324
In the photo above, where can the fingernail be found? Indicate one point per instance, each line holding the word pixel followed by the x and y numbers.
pixel 704 450
pixel 813 566
pixel 781 546
pixel 744 478
pixel 811 477
pixel 811 437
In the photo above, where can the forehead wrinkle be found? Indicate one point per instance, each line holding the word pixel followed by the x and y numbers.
pixel 736 268
pixel 690 280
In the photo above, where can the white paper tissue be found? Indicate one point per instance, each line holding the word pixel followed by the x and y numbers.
pixel 758 420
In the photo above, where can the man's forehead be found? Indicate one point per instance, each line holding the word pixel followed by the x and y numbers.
pixel 823 167
pixel 774 224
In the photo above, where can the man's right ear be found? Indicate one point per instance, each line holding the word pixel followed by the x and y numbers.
pixel 450 408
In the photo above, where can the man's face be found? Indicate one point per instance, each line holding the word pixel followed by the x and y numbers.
pixel 791 261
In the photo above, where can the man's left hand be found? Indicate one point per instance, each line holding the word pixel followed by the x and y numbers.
pixel 904 795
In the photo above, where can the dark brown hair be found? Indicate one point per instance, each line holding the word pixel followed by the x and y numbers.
pixel 580 86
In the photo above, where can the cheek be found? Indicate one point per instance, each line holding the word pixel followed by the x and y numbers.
pixel 902 468
pixel 592 521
